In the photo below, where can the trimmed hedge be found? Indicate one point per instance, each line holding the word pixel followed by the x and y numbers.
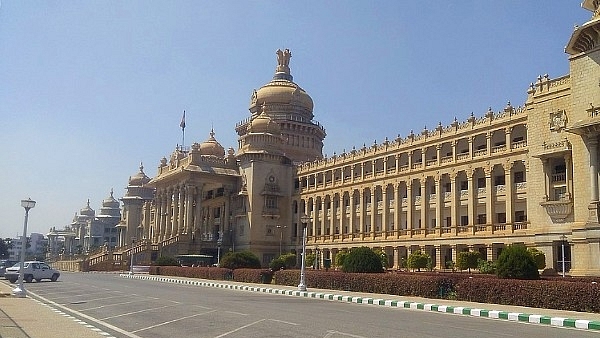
pixel 203 272
pixel 572 294
pixel 549 294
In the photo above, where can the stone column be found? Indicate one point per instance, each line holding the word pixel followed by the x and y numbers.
pixel 189 202
pixel 176 208
pixel 396 258
pixel 386 210
pixel 439 203
pixel 373 211
pixel 157 217
pixel 471 199
pixel 424 203
pixel 361 214
pixel 593 206
pixel 509 186
pixel 507 133
pixel 351 225
pixel 489 196
pixel 397 208
pixel 439 259
pixel 568 175
pixel 322 216
pixel 169 208
pixel 332 217
pixel 409 207
pixel 455 206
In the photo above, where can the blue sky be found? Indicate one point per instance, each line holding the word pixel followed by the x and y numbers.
pixel 89 89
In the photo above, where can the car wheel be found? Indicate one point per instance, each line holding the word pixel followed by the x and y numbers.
pixel 54 277
pixel 29 278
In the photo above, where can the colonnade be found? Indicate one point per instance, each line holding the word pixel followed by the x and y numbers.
pixel 445 203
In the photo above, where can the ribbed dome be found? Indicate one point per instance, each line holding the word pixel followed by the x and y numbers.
pixel 110 202
pixel 87 211
pixel 212 147
pixel 138 179
pixel 283 92
pixel 264 124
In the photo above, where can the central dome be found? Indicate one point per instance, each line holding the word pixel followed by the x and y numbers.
pixel 282 92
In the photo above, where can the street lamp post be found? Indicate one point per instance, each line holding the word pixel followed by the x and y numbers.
pixel 20 291
pixel 563 238
pixel 304 219
pixel 219 242
pixel 131 253
pixel 281 227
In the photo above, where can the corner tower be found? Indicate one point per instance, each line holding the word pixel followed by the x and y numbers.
pixel 292 109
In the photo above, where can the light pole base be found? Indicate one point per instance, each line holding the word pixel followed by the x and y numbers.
pixel 19 292
pixel 301 287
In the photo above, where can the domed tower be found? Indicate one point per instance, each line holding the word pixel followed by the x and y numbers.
pixel 212 147
pixel 110 207
pixel 136 208
pixel 263 136
pixel 292 109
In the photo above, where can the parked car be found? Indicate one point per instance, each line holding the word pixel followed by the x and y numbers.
pixel 5 263
pixel 33 270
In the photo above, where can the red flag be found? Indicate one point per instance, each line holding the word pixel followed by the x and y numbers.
pixel 182 124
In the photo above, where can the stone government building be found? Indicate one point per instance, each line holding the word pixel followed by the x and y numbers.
pixel 526 174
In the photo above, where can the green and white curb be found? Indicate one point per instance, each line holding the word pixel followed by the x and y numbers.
pixel 460 310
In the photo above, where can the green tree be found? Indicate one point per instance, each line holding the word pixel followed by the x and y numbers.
pixel 362 259
pixel 487 267
pixel 289 260
pixel 467 260
pixel 277 264
pixel 417 260
pixel 340 257
pixel 539 257
pixel 240 259
pixel 166 261
pixel 384 258
pixel 310 259
pixel 3 248
pixel 516 262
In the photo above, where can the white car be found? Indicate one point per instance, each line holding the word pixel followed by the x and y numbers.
pixel 33 270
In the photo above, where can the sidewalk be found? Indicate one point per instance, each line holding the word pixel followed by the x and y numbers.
pixel 28 318
pixel 558 318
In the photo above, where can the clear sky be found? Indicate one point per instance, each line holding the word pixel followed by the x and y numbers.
pixel 89 89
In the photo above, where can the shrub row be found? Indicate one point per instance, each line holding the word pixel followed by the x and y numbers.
pixel 562 294
pixel 550 294
pixel 193 272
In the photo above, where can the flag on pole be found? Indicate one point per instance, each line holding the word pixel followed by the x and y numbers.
pixel 182 124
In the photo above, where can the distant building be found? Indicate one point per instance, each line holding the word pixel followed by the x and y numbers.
pixel 36 247
pixel 88 231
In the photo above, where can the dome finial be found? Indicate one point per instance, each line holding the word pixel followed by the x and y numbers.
pixel 282 72
pixel 111 192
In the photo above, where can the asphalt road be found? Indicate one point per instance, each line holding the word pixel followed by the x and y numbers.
pixel 136 308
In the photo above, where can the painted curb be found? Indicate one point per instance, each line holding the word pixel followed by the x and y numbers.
pixel 459 310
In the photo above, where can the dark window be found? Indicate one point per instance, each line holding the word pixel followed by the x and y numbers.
pixel 499 180
pixel 501 216
pixel 481 182
pixel 519 177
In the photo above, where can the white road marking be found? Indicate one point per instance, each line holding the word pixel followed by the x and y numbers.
pixel 240 328
pixel 139 311
pixel 173 321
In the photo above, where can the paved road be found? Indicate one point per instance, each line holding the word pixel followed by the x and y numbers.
pixel 137 308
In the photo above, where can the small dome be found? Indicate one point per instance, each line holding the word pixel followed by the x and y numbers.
pixel 264 124
pixel 138 179
pixel 212 147
pixel 87 211
pixel 110 202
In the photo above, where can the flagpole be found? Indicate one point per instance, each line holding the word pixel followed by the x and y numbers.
pixel 182 125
